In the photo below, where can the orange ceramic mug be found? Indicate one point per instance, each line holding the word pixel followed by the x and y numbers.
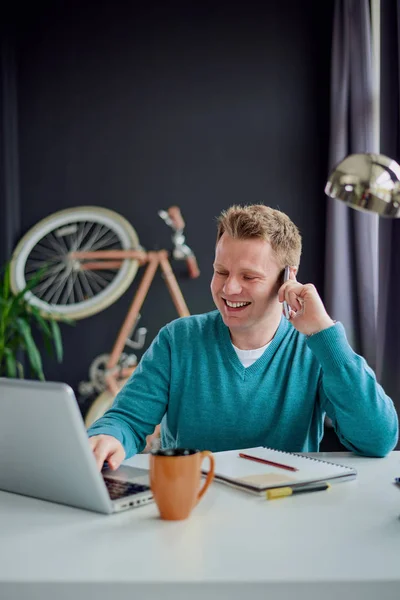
pixel 175 476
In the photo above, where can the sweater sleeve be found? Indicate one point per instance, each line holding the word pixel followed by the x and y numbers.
pixel 363 416
pixel 142 402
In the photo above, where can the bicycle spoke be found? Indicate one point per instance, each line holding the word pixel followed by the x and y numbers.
pixel 45 250
pixel 93 238
pixel 64 243
pixel 55 243
pixel 101 244
pixel 36 266
pixel 86 233
pixel 78 290
pixel 69 289
pixel 81 235
pixel 101 236
pixel 58 290
pixel 71 297
pixel 34 255
pixel 92 280
pixel 107 275
pixel 94 276
pixel 44 286
pixel 85 284
pixel 72 240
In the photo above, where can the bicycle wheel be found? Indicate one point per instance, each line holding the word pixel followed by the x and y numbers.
pixel 99 406
pixel 66 290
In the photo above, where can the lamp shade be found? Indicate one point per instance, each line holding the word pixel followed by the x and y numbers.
pixel 367 182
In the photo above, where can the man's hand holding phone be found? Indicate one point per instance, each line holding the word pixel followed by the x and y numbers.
pixel 286 309
pixel 306 310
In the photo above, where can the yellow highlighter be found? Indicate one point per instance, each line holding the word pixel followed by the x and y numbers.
pixel 282 492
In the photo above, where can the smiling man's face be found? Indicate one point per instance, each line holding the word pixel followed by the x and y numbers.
pixel 245 283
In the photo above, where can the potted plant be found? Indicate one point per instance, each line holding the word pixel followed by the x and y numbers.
pixel 19 320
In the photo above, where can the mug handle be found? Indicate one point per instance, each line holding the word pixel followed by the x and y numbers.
pixel 210 474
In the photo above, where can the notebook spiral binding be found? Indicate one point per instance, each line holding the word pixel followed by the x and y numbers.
pixel 318 460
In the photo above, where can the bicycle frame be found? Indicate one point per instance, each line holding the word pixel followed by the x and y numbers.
pixel 112 259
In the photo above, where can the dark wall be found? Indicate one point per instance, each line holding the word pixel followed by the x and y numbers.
pixel 136 108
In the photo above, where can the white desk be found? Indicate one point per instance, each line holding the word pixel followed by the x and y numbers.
pixel 343 543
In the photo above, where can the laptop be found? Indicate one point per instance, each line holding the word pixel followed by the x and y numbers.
pixel 45 452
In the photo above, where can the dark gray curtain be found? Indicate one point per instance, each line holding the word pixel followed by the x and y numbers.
pixel 352 237
pixel 388 338
pixel 10 228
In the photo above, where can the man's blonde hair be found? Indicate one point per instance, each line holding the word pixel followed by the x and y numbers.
pixel 266 223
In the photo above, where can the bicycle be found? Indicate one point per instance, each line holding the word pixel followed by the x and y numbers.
pixel 92 255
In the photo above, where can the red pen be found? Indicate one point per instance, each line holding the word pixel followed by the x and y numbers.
pixel 267 462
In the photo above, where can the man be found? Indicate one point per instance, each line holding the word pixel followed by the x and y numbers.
pixel 243 375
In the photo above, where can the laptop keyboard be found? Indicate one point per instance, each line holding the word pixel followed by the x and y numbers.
pixel 120 489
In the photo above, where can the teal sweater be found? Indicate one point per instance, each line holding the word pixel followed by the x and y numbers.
pixel 191 380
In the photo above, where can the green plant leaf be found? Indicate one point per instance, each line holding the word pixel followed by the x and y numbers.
pixel 6 282
pixel 30 284
pixel 42 324
pixel 18 320
pixel 67 321
pixel 33 353
pixel 11 363
pixel 48 346
pixel 57 340
pixel 20 369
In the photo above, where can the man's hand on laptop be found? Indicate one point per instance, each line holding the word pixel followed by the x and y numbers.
pixel 107 448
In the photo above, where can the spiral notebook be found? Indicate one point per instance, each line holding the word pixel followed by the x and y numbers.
pixel 256 477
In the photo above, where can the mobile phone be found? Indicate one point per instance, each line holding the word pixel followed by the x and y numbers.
pixel 286 310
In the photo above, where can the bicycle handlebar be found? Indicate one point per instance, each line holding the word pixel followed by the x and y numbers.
pixel 175 215
pixel 192 266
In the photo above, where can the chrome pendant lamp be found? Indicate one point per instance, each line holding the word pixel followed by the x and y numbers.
pixel 367 182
